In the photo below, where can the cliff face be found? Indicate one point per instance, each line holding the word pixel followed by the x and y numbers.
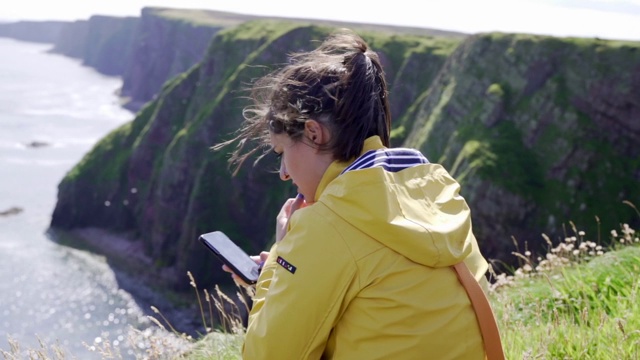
pixel 159 180
pixel 146 51
pixel 167 43
pixel 108 43
pixel 102 42
pixel 540 131
pixel 72 40
pixel 34 31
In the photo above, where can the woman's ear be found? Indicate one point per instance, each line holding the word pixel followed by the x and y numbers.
pixel 314 131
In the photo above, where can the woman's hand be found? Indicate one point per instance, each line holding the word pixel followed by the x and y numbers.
pixel 259 259
pixel 282 220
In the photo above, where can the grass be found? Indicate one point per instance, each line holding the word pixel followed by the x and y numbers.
pixel 45 351
pixel 580 300
pixel 577 302
pixel 222 320
pixel 202 17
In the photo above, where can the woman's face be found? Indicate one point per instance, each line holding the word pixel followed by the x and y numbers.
pixel 300 162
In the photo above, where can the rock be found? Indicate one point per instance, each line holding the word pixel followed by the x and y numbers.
pixel 11 211
pixel 37 144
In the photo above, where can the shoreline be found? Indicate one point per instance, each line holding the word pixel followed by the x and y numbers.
pixel 125 256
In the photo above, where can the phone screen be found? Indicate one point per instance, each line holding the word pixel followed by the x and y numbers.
pixel 232 255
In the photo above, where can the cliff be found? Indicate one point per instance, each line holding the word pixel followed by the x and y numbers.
pixel 145 51
pixel 167 43
pixel 156 178
pixel 102 42
pixel 33 31
pixel 540 131
pixel 109 41
pixel 72 40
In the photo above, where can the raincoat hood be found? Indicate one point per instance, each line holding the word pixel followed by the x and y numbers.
pixel 401 200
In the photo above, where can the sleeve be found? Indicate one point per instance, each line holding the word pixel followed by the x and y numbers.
pixel 300 293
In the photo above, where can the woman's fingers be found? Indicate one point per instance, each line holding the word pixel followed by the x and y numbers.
pixel 297 203
pixel 285 210
pixel 239 281
pixel 235 277
pixel 282 220
pixel 259 259
pixel 263 256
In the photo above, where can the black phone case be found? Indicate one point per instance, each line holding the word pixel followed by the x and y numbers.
pixel 222 247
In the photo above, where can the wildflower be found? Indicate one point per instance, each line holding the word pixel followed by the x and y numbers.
pixel 543 266
pixel 518 272
pixel 581 233
pixel 527 253
pixel 614 233
pixel 576 252
pixel 599 252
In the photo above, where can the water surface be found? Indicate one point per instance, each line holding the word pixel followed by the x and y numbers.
pixel 48 291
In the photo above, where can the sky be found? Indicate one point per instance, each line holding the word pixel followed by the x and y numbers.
pixel 607 19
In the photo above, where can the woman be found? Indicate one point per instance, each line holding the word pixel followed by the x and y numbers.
pixel 361 268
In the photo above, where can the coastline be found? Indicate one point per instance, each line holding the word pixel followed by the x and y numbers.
pixel 135 274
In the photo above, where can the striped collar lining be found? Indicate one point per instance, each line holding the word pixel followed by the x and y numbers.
pixel 392 160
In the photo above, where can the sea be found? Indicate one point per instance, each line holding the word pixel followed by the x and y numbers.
pixel 52 112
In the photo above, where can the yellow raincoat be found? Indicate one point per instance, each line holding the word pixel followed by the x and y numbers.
pixel 365 272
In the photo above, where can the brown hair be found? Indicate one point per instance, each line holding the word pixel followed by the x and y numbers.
pixel 340 84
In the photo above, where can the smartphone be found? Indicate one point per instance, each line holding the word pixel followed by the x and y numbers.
pixel 232 256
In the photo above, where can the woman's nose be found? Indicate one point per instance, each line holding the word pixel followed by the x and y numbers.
pixel 284 175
